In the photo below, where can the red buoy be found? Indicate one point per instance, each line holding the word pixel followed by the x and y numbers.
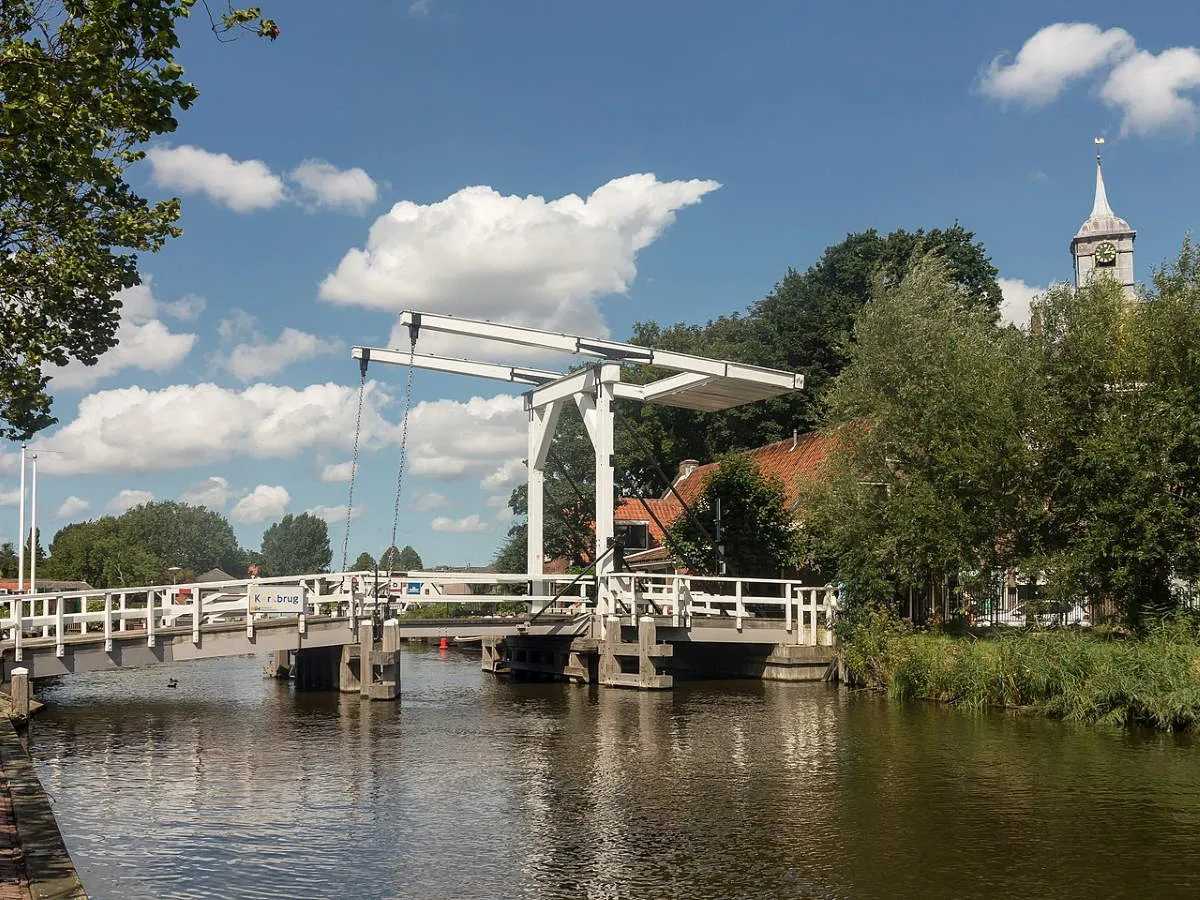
pixel 443 644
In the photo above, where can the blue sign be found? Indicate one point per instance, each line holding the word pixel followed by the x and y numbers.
pixel 413 589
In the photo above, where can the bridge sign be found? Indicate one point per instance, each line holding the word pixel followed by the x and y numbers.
pixel 277 598
pixel 413 588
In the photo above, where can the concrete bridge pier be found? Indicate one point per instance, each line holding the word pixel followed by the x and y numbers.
pixel 379 674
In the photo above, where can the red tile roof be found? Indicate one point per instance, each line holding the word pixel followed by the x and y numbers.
pixel 793 463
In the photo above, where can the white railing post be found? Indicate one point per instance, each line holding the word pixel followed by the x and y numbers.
pixel 197 613
pixel 249 615
pixel 45 615
pixel 59 626
pixel 108 622
pixel 787 607
pixel 812 617
pixel 19 634
pixel 738 609
pixel 122 604
pixel 150 595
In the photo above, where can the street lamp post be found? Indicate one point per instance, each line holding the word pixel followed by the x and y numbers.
pixel 21 531
pixel 33 541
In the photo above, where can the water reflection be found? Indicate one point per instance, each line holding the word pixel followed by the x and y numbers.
pixel 233 786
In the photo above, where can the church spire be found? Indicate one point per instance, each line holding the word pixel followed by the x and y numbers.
pixel 1101 207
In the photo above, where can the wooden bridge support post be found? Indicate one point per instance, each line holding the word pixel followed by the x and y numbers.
pixel 610 668
pixel 494 656
pixel 281 664
pixel 350 670
pixel 649 653
pixel 20 693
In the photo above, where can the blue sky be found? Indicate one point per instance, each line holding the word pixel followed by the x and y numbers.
pixel 325 176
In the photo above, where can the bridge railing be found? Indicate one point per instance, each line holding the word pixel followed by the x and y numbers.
pixel 64 615
pixel 806 611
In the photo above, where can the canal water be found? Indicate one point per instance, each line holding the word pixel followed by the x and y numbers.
pixel 230 785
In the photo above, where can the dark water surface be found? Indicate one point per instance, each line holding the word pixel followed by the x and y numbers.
pixel 232 786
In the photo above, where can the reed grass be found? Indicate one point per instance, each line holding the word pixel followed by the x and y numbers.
pixel 1069 674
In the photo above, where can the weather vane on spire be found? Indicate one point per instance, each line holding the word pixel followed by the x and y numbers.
pixel 1098 141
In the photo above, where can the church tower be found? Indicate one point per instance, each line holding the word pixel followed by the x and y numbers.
pixel 1104 243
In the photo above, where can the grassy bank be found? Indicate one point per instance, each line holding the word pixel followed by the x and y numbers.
pixel 1064 673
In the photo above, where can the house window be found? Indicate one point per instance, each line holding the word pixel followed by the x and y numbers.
pixel 635 537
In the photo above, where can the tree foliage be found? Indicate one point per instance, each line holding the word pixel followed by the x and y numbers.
pixel 758 532
pixel 142 544
pixel 403 560
pixel 8 560
pixel 1070 452
pixel 364 563
pixel 807 325
pixel 296 545
pixel 569 494
pixel 83 86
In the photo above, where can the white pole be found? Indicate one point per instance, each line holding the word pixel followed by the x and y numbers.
pixel 21 531
pixel 33 542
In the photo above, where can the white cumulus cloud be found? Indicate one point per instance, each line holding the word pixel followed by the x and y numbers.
pixel 259 358
pixel 1016 297
pixel 508 474
pixel 524 260
pixel 10 497
pixel 128 499
pixel 133 429
pixel 1055 56
pixel 1151 90
pixel 143 341
pixel 324 184
pixel 336 472
pixel 72 507
pixel 469 523
pixel 264 502
pixel 430 500
pixel 452 440
pixel 333 515
pixel 243 186
pixel 213 492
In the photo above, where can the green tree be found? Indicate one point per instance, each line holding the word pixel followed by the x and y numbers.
pixel 102 554
pixel 8 559
pixel 83 86
pixel 569 494
pixel 1119 460
pixel 409 560
pixel 510 556
pixel 296 545
pixel 806 324
pixel 364 563
pixel 758 532
pixel 35 541
pixel 180 534
pixel 935 460
pixel 389 560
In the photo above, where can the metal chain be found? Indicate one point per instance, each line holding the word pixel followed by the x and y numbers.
pixel 408 390
pixel 362 386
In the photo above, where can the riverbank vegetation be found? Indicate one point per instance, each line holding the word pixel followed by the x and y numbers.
pixel 1095 677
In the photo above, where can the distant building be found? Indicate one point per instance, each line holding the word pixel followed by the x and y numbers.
pixel 9 586
pixel 216 575
pixel 642 523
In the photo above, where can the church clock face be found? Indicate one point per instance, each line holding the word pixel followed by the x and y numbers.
pixel 1106 254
